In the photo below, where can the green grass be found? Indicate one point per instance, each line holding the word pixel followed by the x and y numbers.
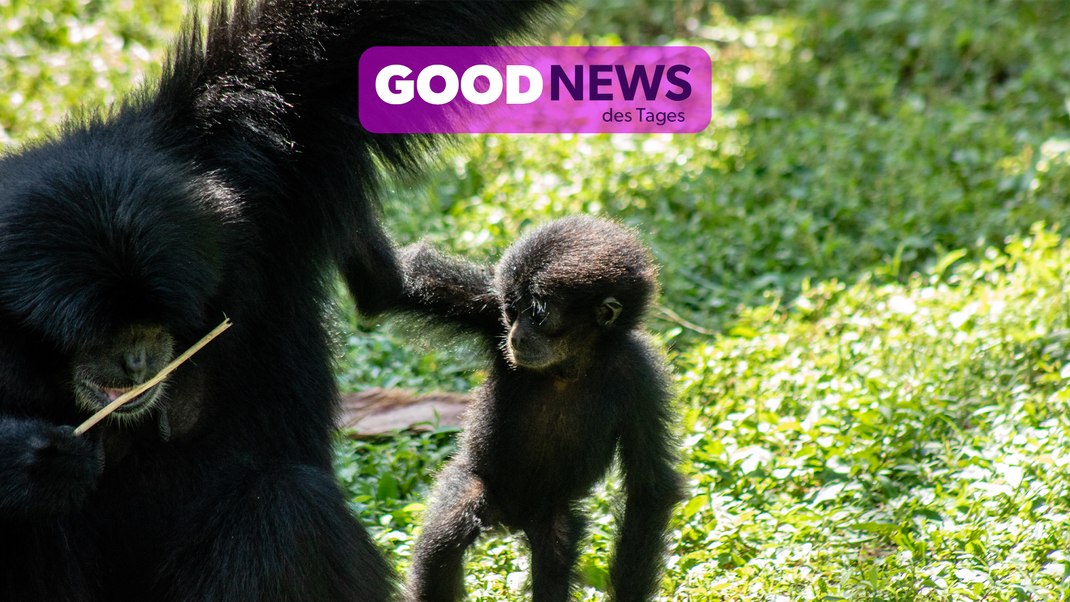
pixel 893 442
pixel 883 414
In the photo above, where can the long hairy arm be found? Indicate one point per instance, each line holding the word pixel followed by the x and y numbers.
pixel 265 94
pixel 449 291
pixel 649 456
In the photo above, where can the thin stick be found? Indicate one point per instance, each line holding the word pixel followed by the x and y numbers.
pixel 145 386
pixel 675 317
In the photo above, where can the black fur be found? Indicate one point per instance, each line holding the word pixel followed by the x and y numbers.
pixel 573 381
pixel 236 185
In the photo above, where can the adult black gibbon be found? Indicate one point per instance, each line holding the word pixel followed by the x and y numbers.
pixel 573 380
pixel 236 184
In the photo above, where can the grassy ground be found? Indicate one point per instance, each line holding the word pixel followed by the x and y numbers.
pixel 873 226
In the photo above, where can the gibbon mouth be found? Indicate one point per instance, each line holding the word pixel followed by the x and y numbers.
pixel 529 363
pixel 105 395
pixel 528 360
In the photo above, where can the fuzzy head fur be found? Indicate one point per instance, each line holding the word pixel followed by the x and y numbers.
pixel 577 262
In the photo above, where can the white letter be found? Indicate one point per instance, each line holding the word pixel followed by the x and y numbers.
pixel 513 95
pixel 423 84
pixel 468 87
pixel 382 85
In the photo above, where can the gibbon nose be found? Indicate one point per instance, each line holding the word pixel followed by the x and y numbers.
pixel 136 362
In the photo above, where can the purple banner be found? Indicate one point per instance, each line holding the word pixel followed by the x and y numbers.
pixel 535 89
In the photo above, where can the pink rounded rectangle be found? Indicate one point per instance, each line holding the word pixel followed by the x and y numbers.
pixel 535 89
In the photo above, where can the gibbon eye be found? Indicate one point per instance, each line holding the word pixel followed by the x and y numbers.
pixel 511 312
pixel 539 313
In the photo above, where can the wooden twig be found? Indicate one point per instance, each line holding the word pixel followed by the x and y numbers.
pixel 145 386
pixel 675 317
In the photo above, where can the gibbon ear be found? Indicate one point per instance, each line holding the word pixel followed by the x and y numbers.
pixel 609 311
